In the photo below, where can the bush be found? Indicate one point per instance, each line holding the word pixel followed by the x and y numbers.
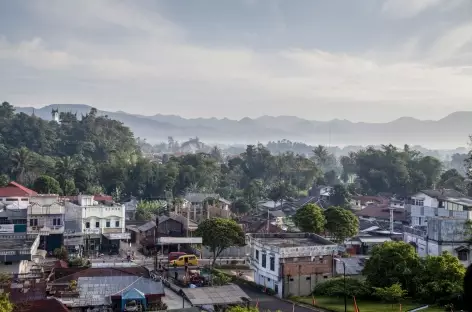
pixel 335 288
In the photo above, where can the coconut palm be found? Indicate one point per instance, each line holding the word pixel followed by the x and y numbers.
pixel 22 162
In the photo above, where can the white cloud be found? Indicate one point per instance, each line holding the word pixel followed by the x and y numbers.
pixel 450 44
pixel 227 80
pixel 409 8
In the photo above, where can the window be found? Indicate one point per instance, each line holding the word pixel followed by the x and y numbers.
pixel 33 222
pixel 58 221
pixel 108 223
pixel 308 278
pixel 117 223
pixel 11 199
pixel 4 220
pixel 24 199
pixel 54 221
pixel 257 254
pixel 272 263
pixel 463 255
pixel 264 260
pixel 97 224
pixel 87 225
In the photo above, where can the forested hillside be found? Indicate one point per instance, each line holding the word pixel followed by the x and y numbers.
pixel 93 154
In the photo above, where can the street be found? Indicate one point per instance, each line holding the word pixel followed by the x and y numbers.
pixel 272 303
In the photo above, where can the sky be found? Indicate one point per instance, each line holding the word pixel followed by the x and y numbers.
pixel 369 60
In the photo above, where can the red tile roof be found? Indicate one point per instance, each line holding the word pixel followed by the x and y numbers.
pixel 14 189
pixel 61 264
pixel 42 305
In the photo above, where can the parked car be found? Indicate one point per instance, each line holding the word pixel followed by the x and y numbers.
pixel 190 260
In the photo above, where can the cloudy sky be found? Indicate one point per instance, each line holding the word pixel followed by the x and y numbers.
pixel 369 60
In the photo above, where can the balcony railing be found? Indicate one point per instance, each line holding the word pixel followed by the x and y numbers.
pixel 425 211
pixel 44 230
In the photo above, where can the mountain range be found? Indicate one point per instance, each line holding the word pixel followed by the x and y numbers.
pixel 450 131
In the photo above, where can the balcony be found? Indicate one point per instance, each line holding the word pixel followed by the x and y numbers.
pixel 46 230
pixel 425 211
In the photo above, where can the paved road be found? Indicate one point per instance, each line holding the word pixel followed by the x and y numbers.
pixel 201 262
pixel 271 303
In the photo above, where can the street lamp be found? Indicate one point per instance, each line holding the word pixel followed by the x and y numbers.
pixel 344 276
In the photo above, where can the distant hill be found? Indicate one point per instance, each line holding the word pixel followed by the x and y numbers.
pixel 450 131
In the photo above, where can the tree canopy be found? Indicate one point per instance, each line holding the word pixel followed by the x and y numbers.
pixel 310 218
pixel 219 234
pixel 341 223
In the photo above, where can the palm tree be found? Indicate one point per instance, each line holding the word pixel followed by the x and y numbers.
pixel 216 154
pixel 321 155
pixel 65 168
pixel 22 161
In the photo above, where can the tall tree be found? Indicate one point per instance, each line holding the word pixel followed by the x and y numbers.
pixel 340 196
pixel 310 218
pixel 391 263
pixel 341 223
pixel 219 234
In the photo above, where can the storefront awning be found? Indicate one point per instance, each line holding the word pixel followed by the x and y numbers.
pixel 113 236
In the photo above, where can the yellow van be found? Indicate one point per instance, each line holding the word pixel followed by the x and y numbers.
pixel 191 260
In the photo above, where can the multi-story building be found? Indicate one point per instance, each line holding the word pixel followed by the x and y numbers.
pixel 94 225
pixel 438 203
pixel 441 234
pixel 46 218
pixel 291 264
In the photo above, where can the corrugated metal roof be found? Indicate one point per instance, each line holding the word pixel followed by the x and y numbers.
pixel 367 239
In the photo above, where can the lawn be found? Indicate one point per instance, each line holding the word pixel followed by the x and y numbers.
pixel 337 304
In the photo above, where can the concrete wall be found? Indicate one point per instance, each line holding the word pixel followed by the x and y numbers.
pixel 447 230
pixel 232 252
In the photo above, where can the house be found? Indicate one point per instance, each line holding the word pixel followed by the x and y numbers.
pixel 201 202
pixel 290 207
pixel 439 235
pixel 290 263
pixel 111 288
pixel 321 192
pixel 17 250
pixel 256 225
pixel 94 224
pixel 360 202
pixel 438 203
pixel 14 201
pixel 130 208
pixel 46 218
pixel 41 305
pixel 381 212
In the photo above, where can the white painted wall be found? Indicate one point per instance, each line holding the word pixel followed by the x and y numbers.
pixel 428 201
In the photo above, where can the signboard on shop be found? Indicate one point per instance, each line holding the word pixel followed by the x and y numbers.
pixel 7 228
pixel 119 236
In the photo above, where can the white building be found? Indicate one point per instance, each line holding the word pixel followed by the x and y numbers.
pixel 441 234
pixel 438 203
pixel 93 226
pixel 290 263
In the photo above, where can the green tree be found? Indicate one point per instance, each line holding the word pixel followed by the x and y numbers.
pixel 441 277
pixel 219 234
pixel 242 309
pixel 391 294
pixel 310 218
pixel 340 196
pixel 5 303
pixel 391 263
pixel 240 206
pixel 47 185
pixel 22 163
pixel 147 210
pixel 341 223
pixel 4 180
pixel 69 187
pixel 61 253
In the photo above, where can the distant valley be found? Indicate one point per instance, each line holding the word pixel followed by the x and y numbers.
pixel 449 132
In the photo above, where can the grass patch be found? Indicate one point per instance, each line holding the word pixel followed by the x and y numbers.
pixel 337 305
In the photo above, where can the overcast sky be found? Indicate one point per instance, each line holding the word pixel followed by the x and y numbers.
pixel 365 60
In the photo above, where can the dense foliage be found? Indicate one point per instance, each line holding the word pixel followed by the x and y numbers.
pixel 93 154
pixel 219 234
pixel 432 279
pixel 310 218
pixel 341 223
